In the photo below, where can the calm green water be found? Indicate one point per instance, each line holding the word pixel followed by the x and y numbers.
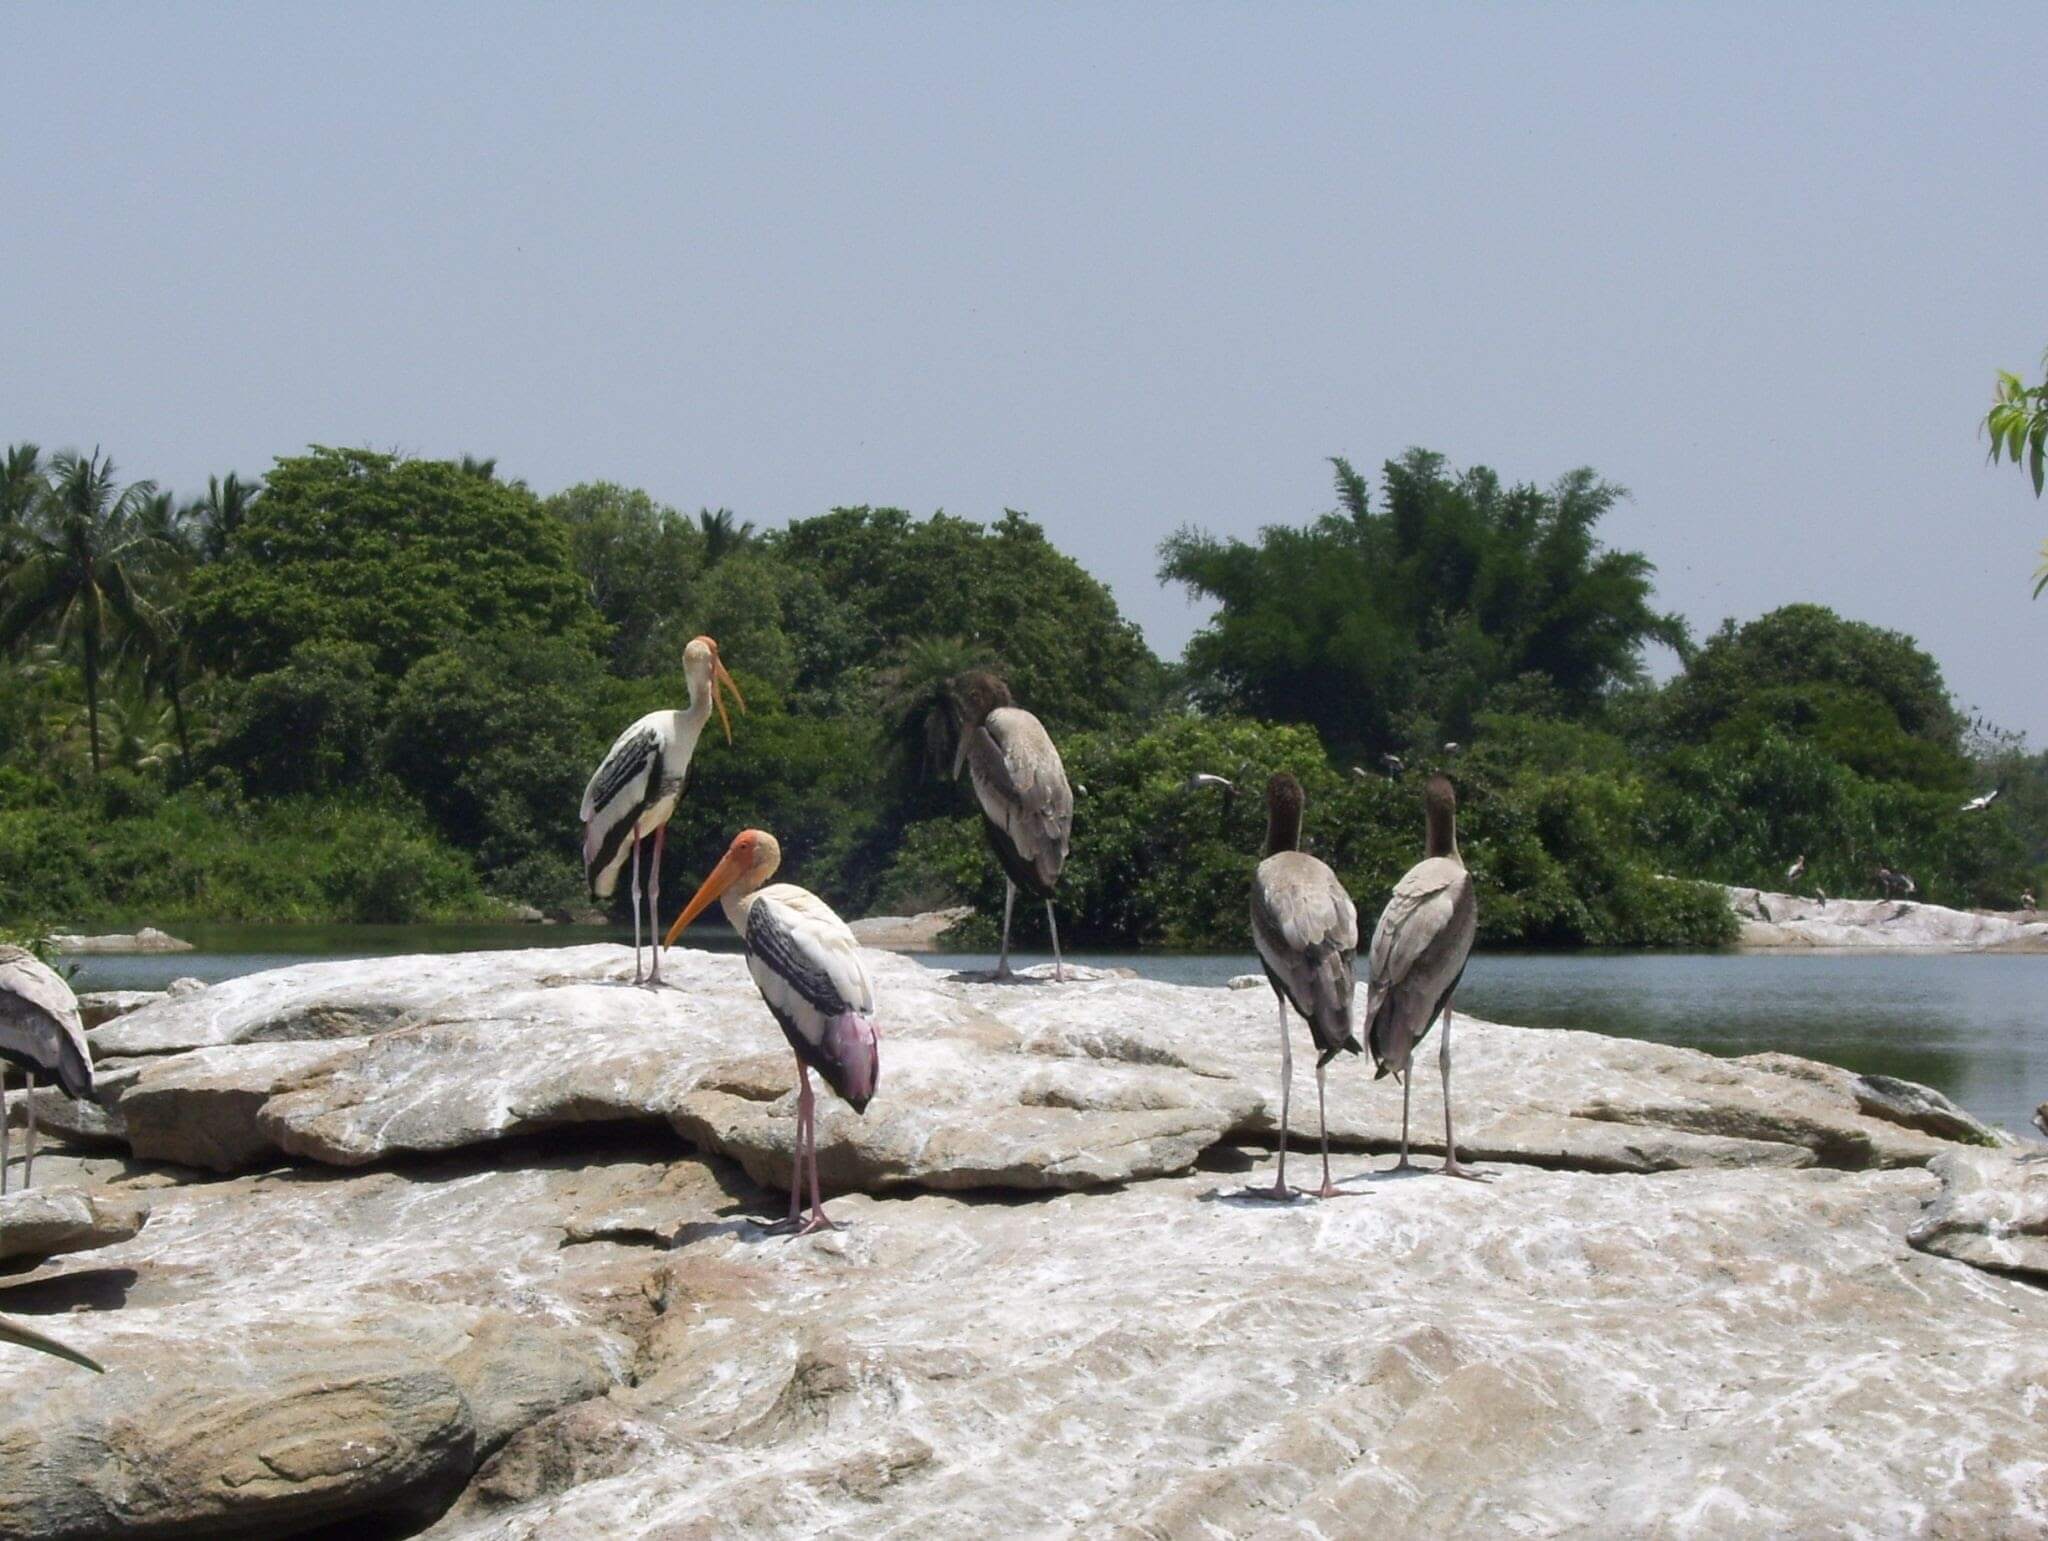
pixel 1976 1027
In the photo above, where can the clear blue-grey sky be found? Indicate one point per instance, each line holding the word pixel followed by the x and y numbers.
pixel 1124 267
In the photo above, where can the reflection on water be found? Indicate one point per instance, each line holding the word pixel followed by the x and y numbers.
pixel 1976 1027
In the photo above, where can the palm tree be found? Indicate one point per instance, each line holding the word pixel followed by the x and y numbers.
pixel 915 701
pixel 22 481
pixel 75 574
pixel 222 512
pixel 485 466
pixel 722 533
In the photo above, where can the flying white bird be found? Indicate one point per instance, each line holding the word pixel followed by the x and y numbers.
pixel 1979 804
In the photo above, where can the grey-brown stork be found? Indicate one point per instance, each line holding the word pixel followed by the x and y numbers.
pixel 27 1337
pixel 1306 930
pixel 1027 806
pixel 636 789
pixel 807 966
pixel 39 1031
pixel 1419 951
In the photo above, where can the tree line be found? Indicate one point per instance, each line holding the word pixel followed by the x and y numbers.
pixel 368 686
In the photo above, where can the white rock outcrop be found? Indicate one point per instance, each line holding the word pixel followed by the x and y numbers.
pixel 1769 920
pixel 489 1262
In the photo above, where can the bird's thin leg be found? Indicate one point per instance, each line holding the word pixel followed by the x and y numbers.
pixel 1329 1190
pixel 1451 1167
pixel 28 1161
pixel 1407 1084
pixel 1009 899
pixel 789 1223
pixel 3 1128
pixel 654 904
pixel 1058 973
pixel 636 907
pixel 1279 1190
pixel 818 1220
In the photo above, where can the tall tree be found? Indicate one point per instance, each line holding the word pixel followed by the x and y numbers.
pixel 1384 628
pixel 722 533
pixel 78 575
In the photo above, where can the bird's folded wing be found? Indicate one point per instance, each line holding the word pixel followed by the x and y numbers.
pixel 799 950
pixel 1021 781
pixel 628 765
pixel 22 973
pixel 1422 909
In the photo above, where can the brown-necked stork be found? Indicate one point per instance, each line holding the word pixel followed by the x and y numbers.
pixel 39 1031
pixel 1419 951
pixel 806 964
pixel 1306 930
pixel 637 787
pixel 1027 806
pixel 27 1337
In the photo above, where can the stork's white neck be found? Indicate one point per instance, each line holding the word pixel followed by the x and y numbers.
pixel 699 708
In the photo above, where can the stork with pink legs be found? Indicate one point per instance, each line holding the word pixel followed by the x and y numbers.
pixel 807 966
pixel 636 789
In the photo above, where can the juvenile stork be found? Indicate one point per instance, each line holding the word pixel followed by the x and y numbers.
pixel 1027 807
pixel 1419 950
pixel 1797 870
pixel 807 967
pixel 39 1031
pixel 1306 930
pixel 637 787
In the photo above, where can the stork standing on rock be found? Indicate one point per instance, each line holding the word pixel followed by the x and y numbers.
pixel 1027 807
pixel 1797 870
pixel 1306 930
pixel 1419 951
pixel 636 789
pixel 806 964
pixel 39 1031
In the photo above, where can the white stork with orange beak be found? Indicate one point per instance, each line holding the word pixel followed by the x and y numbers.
pixel 637 787
pixel 806 964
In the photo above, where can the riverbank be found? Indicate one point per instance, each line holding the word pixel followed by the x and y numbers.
pixel 1771 921
pixel 475 1257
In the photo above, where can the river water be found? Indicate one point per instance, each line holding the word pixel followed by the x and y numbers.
pixel 1972 1025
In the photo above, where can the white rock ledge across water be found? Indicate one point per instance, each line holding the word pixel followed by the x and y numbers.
pixel 465 1280
pixel 1773 922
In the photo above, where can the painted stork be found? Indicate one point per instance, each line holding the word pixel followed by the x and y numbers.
pixel 1896 885
pixel 1306 930
pixel 27 1337
pixel 2027 899
pixel 637 787
pixel 1027 808
pixel 1979 804
pixel 1394 764
pixel 807 967
pixel 39 1031
pixel 1797 870
pixel 1419 951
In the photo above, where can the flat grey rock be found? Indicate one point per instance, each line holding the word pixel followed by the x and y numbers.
pixel 1771 921
pixel 147 940
pixel 46 1221
pixel 1991 1212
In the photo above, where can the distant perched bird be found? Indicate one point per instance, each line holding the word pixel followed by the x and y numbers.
pixel 1027 807
pixel 1306 930
pixel 1419 951
pixel 1797 870
pixel 2027 900
pixel 1979 804
pixel 1209 779
pixel 1393 763
pixel 636 789
pixel 1361 773
pixel 1451 747
pixel 1896 885
pixel 1821 894
pixel 27 1337
pixel 39 1031
pixel 807 966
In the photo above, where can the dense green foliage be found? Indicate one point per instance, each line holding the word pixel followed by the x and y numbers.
pixel 372 688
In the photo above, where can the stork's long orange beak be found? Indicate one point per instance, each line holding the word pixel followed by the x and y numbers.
pixel 721 682
pixel 722 877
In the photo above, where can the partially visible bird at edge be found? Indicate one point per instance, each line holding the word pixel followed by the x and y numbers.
pixel 40 1031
